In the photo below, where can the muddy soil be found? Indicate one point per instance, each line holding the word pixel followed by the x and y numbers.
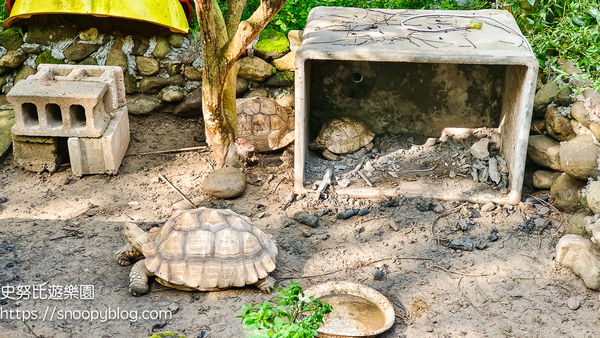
pixel 59 230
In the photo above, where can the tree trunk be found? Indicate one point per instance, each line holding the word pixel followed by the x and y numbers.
pixel 223 42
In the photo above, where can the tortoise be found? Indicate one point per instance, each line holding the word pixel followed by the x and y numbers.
pixel 264 123
pixel 200 249
pixel 342 135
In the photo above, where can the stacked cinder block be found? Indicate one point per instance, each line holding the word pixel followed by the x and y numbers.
pixel 85 104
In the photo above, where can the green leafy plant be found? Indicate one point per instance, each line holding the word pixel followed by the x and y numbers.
pixel 292 316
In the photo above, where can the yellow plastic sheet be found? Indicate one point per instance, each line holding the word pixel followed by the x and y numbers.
pixel 168 13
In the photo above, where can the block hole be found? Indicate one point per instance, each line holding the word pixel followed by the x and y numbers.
pixel 30 115
pixel 53 116
pixel 61 71
pixel 77 113
pixel 93 72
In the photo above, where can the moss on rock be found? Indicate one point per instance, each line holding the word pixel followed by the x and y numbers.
pixel 272 44
pixel 11 38
pixel 46 57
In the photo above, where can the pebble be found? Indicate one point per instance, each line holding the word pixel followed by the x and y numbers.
pixel 388 204
pixel 3 200
pixel 378 233
pixel 260 215
pixel 378 274
pixel 306 218
pixel 461 243
pixel 573 303
pixel 463 225
pixel 159 325
pixel 543 210
pixel 488 207
pixel 394 225
pixel 347 213
pixel 480 149
pixel 363 211
pixel 540 222
pixel 321 212
pixel 527 226
pixel 344 183
pixel 438 208
pixel 494 235
pixel 306 233
pixel 424 206
pixel 173 308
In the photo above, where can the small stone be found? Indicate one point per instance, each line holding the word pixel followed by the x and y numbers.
pixel 141 104
pixel 344 183
pixel 544 151
pixel 174 308
pixel 347 213
pixel 542 179
pixel 558 126
pixel 540 223
pixel 162 47
pixel 176 40
pixel 191 105
pixel 295 37
pixel 480 149
pixel 159 325
pixel 146 65
pixel 580 113
pixel 538 127
pixel 462 243
pixel 140 45
pixel 593 196
pixel 378 233
pixel 79 51
pixel 23 73
pixel 389 204
pixel 116 57
pixel 488 207
pixel 287 223
pixel 363 211
pixel 527 226
pixel 256 93
pixel 281 79
pixel 579 157
pixel 322 212
pixel 241 86
pixel 379 274
pixel 393 225
pixel 31 48
pixel 192 73
pixel 306 218
pixel 595 129
pixel 580 255
pixel 306 233
pixel 493 235
pixel 463 225
pixel 90 61
pixel 11 38
pixel 493 171
pixel 90 34
pixel 153 84
pixel 172 94
pixel 254 69
pixel 576 224
pixel 542 210
pixel 225 183
pixel 182 205
pixel 573 303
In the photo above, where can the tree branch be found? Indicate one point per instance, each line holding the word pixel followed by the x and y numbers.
pixel 249 29
pixel 235 8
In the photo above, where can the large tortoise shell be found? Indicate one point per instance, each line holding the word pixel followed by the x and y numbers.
pixel 207 249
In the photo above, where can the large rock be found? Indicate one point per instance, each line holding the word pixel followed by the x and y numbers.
pixel 7 120
pixel 162 47
pixel 579 113
pixel 542 179
pixel 79 51
pixel 176 40
pixel 579 157
pixel 592 227
pixel 546 95
pixel 593 196
pixel 295 37
pixel 153 84
pixel 254 69
pixel 46 57
pixel 146 65
pixel 544 151
pixel 90 61
pixel 479 149
pixel 286 100
pixel 566 193
pixel 13 59
pixel 90 34
pixel 577 222
pixel 576 76
pixel 140 45
pixel 191 105
pixel 45 34
pixel 192 73
pixel 143 104
pixel 116 57
pixel 281 79
pixel 595 129
pixel 558 126
pixel 241 86
pixel 23 73
pixel 224 183
pixel 131 85
pixel 271 44
pixel 11 38
pixel 580 255
pixel 286 62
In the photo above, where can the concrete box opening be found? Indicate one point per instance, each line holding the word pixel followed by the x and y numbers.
pixel 53 115
pixel 30 115
pixel 77 114
pixel 456 85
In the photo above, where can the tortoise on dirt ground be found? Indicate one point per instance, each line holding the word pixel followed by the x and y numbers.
pixel 201 249
pixel 342 135
pixel 264 123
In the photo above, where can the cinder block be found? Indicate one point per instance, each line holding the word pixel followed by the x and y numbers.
pixel 38 153
pixel 101 155
pixel 111 75
pixel 59 108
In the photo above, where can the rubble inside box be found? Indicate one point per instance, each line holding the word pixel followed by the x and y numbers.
pixel 70 107
pixel 473 159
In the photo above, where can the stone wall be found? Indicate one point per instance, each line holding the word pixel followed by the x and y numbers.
pixel 163 71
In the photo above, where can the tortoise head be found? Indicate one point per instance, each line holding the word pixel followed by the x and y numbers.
pixel 135 235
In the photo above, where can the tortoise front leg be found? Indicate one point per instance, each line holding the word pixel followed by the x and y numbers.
pixel 138 278
pixel 127 254
pixel 266 284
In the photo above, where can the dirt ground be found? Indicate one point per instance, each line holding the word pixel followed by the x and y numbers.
pixel 59 230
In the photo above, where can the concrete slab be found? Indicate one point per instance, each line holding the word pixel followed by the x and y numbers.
pixel 7 120
pixel 59 108
pixel 373 55
pixel 101 155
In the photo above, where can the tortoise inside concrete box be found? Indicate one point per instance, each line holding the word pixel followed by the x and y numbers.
pixel 201 249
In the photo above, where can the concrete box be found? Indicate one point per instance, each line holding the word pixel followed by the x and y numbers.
pixel 59 108
pixel 111 75
pixel 421 72
pixel 101 155
pixel 38 154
